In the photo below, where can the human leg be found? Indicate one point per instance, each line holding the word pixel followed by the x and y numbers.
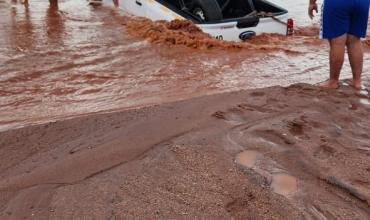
pixel 336 59
pixel 355 55
pixel 357 30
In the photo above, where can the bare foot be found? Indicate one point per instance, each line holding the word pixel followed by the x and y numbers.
pixel 356 84
pixel 329 84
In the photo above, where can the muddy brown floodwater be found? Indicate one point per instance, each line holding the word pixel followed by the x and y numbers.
pixel 126 122
pixel 71 60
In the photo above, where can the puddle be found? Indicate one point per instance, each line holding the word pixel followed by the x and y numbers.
pixel 284 184
pixel 247 158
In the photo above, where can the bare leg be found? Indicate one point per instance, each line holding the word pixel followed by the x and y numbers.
pixel 53 3
pixel 356 56
pixel 337 49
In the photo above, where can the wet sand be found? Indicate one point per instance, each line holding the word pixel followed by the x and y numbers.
pixel 308 159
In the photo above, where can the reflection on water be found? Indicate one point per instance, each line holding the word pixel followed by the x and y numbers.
pixel 22 28
pixel 65 60
pixel 54 23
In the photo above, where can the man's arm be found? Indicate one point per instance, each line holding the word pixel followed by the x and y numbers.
pixel 312 7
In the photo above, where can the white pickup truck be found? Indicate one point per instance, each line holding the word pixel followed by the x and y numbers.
pixel 231 20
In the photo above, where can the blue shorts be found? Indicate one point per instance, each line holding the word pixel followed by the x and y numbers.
pixel 344 16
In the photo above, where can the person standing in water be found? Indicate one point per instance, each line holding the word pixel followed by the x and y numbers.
pixel 343 23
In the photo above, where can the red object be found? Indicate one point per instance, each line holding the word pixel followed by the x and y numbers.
pixel 116 3
pixel 290 27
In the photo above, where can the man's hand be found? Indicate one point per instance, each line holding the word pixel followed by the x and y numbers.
pixel 312 7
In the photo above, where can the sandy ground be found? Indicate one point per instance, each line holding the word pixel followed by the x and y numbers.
pixel 277 153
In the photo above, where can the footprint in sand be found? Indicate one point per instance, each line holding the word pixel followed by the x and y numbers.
pixel 281 183
pixel 247 158
pixel 324 151
pixel 295 127
pixel 284 184
pixel 233 116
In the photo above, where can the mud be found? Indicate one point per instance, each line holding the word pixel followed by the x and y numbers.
pixel 180 160
pixel 186 33
pixel 308 31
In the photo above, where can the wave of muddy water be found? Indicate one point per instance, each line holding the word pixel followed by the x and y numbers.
pixel 71 60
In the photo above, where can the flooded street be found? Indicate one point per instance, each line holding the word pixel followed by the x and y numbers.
pixel 73 59
pixel 230 130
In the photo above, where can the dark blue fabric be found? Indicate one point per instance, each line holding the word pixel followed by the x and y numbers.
pixel 344 16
